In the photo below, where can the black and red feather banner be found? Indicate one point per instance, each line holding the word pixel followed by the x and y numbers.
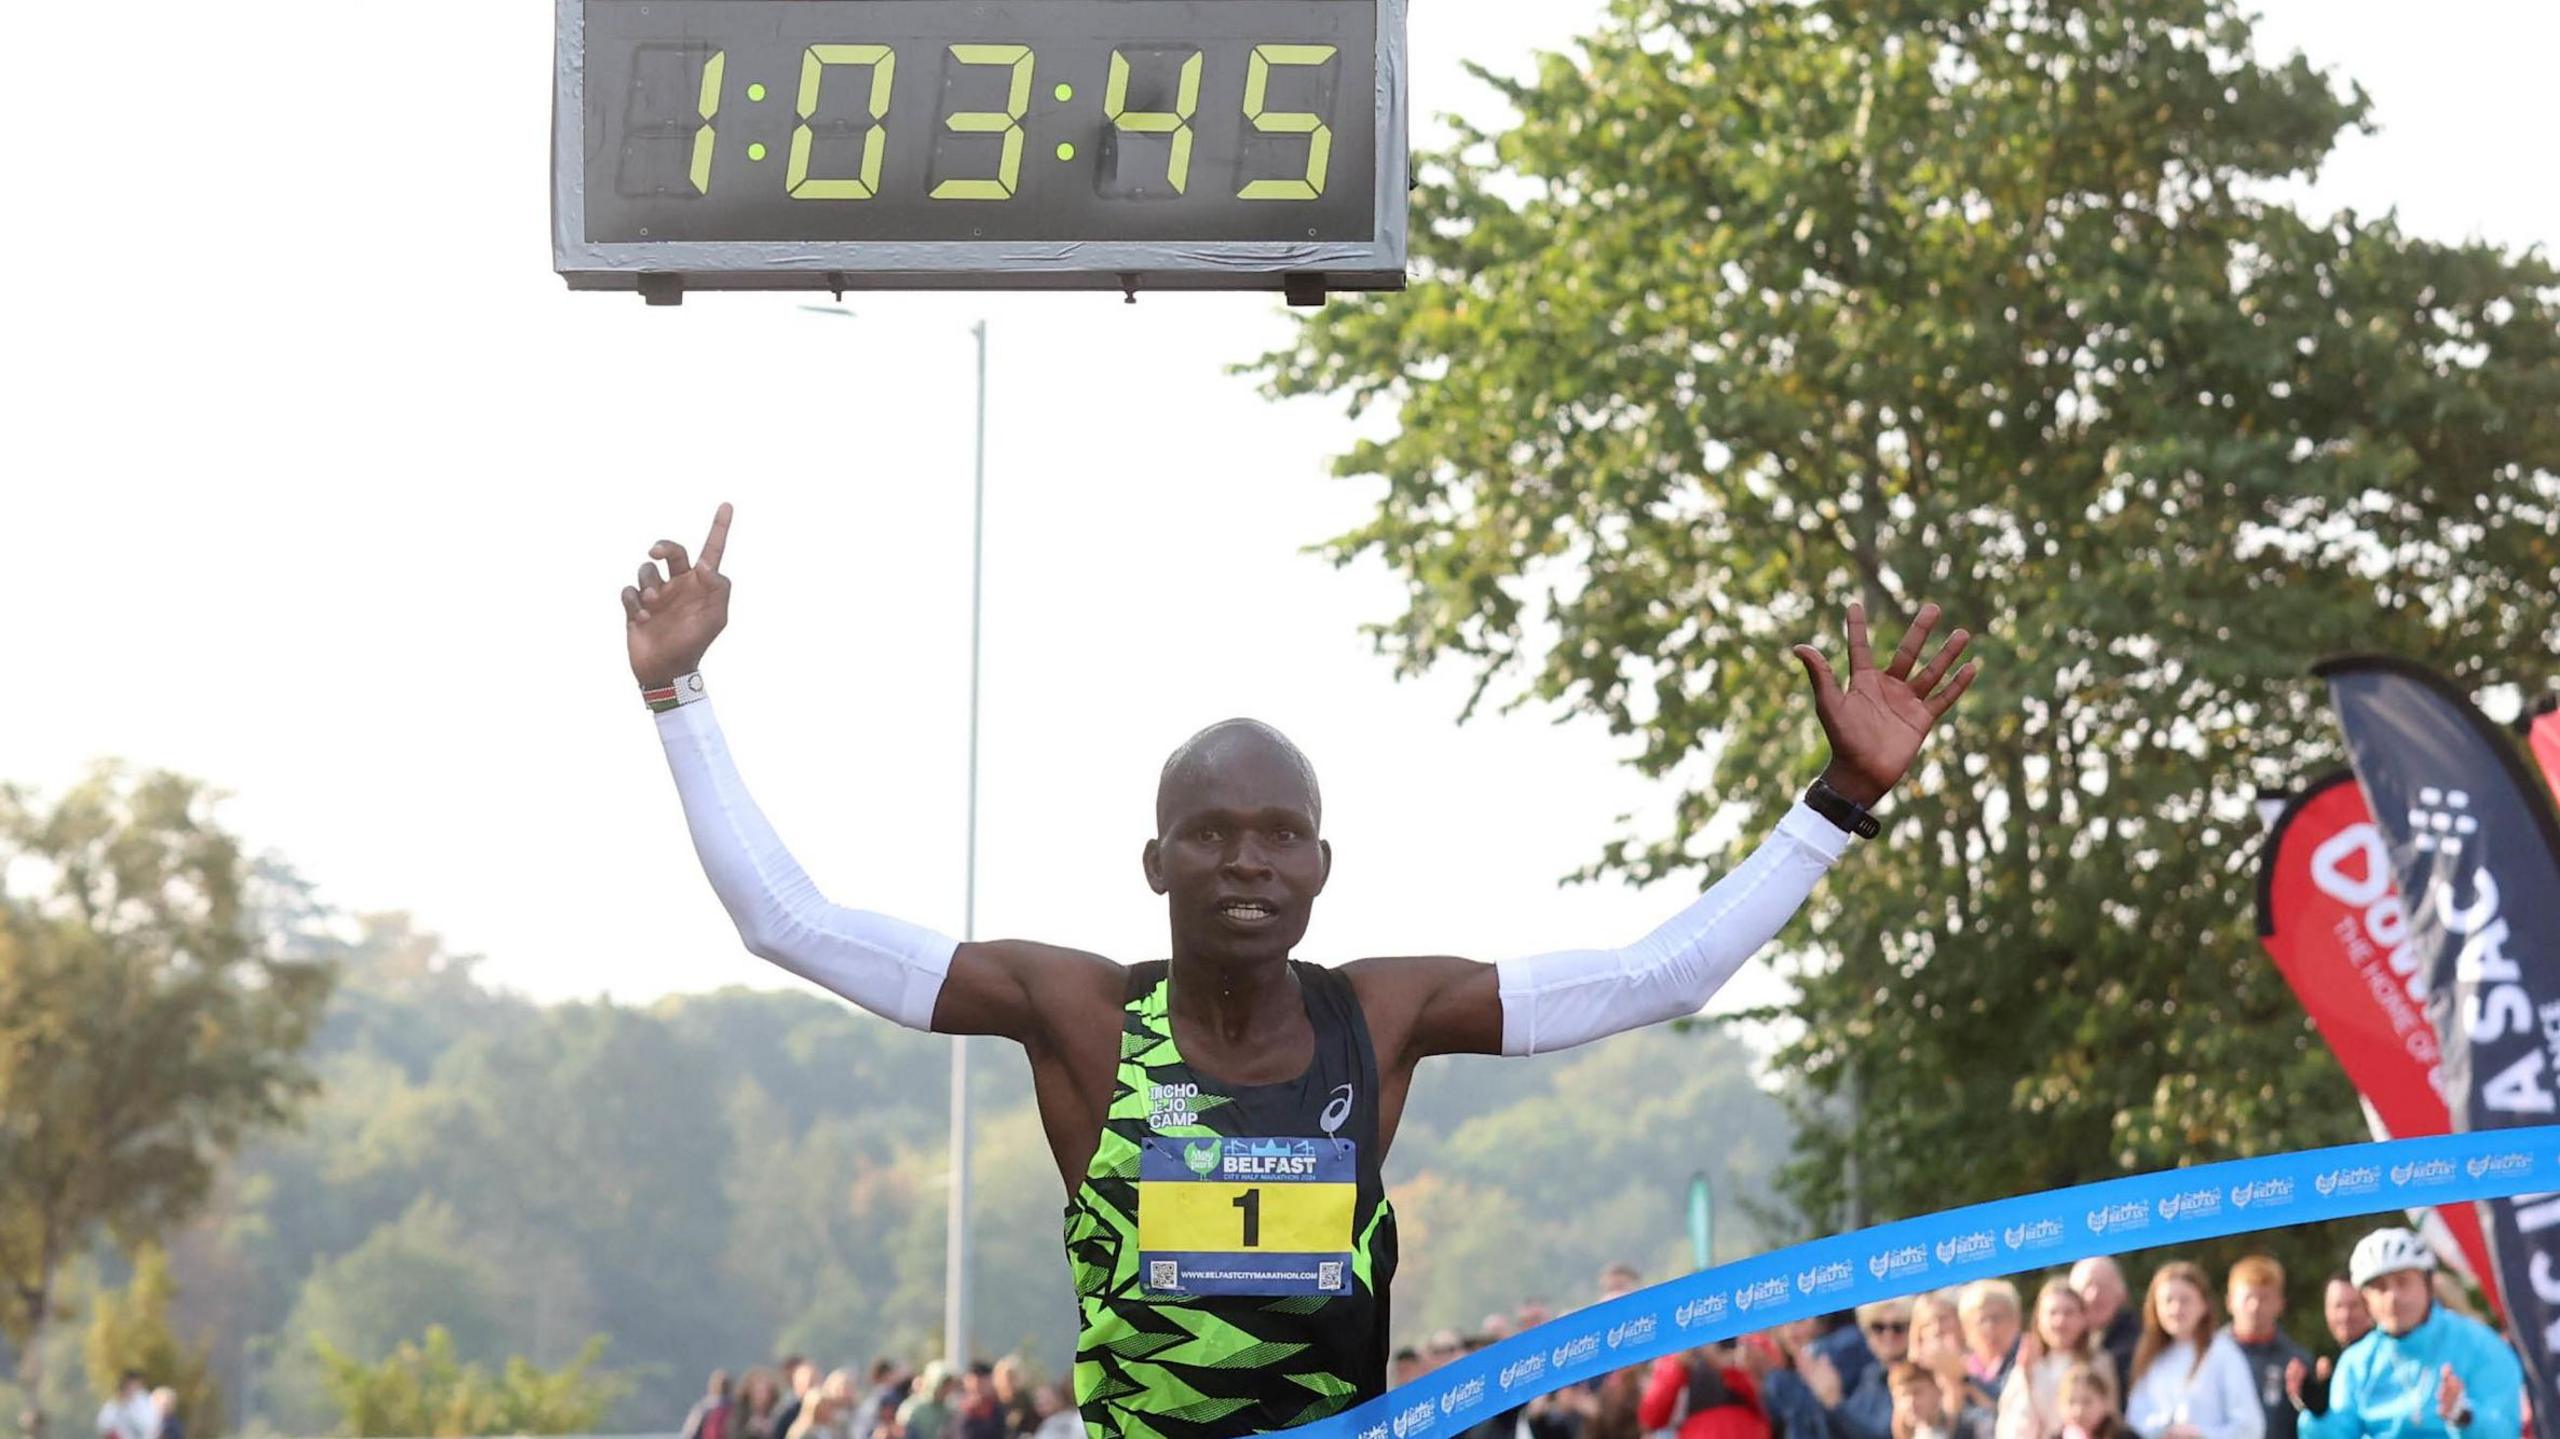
pixel 2331 918
pixel 2475 847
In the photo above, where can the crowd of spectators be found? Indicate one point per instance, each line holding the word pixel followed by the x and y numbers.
pixel 2087 1360
pixel 793 1400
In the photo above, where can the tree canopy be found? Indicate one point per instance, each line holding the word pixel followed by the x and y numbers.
pixel 151 1018
pixel 1761 308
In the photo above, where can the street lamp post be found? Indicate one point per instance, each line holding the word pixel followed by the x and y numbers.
pixel 955 1272
pixel 955 1251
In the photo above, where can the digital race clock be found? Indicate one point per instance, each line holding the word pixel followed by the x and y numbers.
pixel 1013 144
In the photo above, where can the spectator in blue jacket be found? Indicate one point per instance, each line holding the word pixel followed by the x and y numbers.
pixel 1867 1411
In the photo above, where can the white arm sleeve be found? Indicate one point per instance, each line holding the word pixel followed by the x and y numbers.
pixel 1556 1001
pixel 888 966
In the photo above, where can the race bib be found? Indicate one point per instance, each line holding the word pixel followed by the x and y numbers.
pixel 1246 1216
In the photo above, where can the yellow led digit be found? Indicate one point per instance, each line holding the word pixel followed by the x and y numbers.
pixel 1175 122
pixel 1007 122
pixel 1257 79
pixel 709 105
pixel 813 74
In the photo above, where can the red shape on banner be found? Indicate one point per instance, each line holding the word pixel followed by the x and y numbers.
pixel 2545 737
pixel 2331 916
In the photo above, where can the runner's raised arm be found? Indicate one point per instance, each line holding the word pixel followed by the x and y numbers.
pixel 901 971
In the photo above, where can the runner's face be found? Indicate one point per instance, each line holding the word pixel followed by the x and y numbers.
pixel 1239 862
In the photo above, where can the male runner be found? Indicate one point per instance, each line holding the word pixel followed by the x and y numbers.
pixel 1219 1118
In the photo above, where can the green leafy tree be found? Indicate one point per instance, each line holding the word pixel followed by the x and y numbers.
pixel 149 1019
pixel 427 1390
pixel 426 1266
pixel 130 1332
pixel 1759 309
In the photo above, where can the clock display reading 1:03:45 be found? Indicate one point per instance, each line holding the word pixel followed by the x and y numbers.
pixel 820 120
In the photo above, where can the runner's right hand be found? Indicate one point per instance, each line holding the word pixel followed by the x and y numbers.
pixel 671 618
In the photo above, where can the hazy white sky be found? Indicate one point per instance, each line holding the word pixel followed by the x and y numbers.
pixel 321 487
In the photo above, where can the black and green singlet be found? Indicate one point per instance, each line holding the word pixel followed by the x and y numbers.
pixel 1232 1244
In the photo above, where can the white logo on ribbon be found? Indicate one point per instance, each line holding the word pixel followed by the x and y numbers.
pixel 2262 1192
pixel 1703 1310
pixel 1634 1331
pixel 1574 1351
pixel 1523 1371
pixel 2035 1234
pixel 1465 1396
pixel 1767 1291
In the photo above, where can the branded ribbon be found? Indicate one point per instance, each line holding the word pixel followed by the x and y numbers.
pixel 1981 1241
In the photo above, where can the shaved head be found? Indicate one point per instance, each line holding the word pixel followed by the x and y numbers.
pixel 1220 746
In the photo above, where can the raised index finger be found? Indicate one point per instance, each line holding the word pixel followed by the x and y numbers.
pixel 718 540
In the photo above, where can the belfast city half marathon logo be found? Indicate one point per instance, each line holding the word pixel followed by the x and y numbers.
pixel 2350 1180
pixel 1414 1419
pixel 1760 1295
pixel 2424 1171
pixel 1462 1397
pixel 2034 1234
pixel 1826 1278
pixel 1638 1330
pixel 1574 1351
pixel 1966 1248
pixel 2514 1161
pixel 1522 1371
pixel 2191 1204
pixel 1705 1309
pixel 1899 1262
pixel 2262 1194
pixel 2117 1218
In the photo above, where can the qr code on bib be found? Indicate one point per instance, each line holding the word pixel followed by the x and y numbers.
pixel 1328 1274
pixel 1164 1274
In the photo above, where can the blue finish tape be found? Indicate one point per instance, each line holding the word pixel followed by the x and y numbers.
pixel 1981 1241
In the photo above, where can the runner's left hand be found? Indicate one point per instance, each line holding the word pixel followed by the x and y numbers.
pixel 1875 724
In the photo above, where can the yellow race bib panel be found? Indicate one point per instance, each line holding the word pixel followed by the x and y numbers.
pixel 1234 1215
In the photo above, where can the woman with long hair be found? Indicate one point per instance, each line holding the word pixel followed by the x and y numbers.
pixel 759 1399
pixel 2059 1339
pixel 2188 1381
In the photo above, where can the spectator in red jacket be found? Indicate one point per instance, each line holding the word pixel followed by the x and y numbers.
pixel 1707 1392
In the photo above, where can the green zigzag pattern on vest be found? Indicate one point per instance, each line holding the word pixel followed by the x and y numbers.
pixel 1142 1364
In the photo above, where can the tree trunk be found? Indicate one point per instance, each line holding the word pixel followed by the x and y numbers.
pixel 31 1358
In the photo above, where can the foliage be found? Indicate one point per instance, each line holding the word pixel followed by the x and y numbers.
pixel 425 1390
pixel 150 1020
pixel 130 1332
pixel 1762 308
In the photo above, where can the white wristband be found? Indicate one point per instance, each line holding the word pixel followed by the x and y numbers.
pixel 682 690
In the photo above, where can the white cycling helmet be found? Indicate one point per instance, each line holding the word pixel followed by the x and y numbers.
pixel 2388 1251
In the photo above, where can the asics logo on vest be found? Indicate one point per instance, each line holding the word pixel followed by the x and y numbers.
pixel 1337 1111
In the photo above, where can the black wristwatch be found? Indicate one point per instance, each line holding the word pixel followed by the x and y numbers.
pixel 1841 810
